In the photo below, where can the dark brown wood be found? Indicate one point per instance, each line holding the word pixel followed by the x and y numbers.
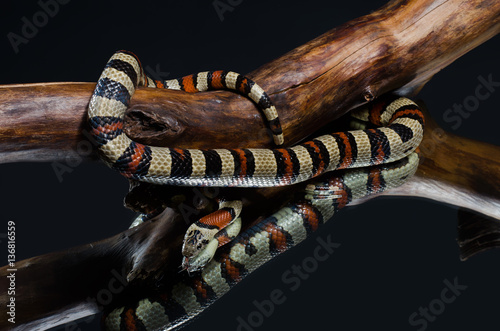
pixel 399 47
pixel 476 233
pixel 73 278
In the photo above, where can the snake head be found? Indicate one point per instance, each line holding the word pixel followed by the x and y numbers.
pixel 198 262
pixel 194 241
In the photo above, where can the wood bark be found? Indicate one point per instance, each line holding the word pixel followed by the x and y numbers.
pixel 397 48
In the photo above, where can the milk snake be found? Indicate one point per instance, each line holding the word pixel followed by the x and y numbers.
pixel 401 132
pixel 183 298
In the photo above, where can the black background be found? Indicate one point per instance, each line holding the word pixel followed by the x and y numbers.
pixel 395 253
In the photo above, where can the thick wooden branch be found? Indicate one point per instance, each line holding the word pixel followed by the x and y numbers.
pixel 72 279
pixel 401 46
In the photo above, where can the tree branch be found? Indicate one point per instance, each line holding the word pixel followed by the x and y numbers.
pixel 401 46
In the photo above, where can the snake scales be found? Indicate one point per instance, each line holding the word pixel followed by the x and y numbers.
pixel 400 133
pixel 187 296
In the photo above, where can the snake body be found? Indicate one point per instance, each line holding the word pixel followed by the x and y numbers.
pixel 185 298
pixel 401 132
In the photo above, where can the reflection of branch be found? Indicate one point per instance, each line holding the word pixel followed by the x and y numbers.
pixel 401 46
